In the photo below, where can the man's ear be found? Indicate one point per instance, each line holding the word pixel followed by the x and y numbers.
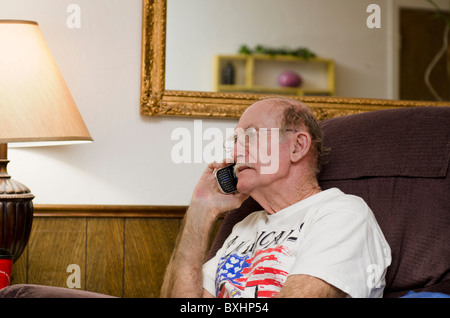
pixel 300 146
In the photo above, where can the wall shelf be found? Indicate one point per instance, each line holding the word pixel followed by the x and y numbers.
pixel 258 73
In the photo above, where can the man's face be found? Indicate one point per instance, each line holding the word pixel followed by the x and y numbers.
pixel 261 156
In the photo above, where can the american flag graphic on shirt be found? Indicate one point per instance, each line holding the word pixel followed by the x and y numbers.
pixel 249 271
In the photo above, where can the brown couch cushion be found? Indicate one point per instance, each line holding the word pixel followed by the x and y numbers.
pixel 412 142
pixel 42 291
pixel 397 161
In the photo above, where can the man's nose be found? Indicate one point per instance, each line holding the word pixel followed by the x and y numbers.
pixel 240 153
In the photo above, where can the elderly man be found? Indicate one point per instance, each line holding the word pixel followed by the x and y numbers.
pixel 305 243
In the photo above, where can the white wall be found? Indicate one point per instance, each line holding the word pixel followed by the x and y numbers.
pixel 130 159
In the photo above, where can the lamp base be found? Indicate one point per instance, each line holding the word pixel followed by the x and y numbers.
pixel 16 211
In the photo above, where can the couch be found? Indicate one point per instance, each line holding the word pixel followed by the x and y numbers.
pixel 397 160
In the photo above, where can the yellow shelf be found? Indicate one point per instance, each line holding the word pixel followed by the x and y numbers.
pixel 259 73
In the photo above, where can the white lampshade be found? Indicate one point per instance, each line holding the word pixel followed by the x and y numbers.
pixel 35 103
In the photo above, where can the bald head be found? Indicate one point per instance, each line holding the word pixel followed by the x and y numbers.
pixel 272 110
pixel 287 113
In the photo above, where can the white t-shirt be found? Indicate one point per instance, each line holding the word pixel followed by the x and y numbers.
pixel 331 235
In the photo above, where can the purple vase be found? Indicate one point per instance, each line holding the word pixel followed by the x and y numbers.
pixel 289 79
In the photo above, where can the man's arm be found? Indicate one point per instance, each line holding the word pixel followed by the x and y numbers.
pixel 305 286
pixel 183 276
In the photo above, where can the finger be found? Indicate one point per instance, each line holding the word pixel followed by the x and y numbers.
pixel 217 165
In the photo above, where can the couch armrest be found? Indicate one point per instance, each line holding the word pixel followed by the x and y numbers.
pixel 42 291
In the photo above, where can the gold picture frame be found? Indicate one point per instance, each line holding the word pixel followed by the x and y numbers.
pixel 155 100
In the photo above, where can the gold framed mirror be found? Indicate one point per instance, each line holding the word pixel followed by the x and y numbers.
pixel 155 100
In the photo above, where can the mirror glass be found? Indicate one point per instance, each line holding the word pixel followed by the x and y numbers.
pixel 357 38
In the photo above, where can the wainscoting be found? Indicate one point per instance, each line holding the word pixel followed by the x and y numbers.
pixel 121 250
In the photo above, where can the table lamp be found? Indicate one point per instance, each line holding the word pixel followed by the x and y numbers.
pixel 36 108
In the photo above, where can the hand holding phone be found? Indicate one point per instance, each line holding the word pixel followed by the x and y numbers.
pixel 226 179
pixel 206 196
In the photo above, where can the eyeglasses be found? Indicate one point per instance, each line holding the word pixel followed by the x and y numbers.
pixel 248 135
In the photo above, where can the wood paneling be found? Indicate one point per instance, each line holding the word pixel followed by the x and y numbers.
pixel 20 268
pixel 119 253
pixel 128 211
pixel 55 244
pixel 148 244
pixel 105 255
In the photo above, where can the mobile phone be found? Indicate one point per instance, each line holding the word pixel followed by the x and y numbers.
pixel 226 179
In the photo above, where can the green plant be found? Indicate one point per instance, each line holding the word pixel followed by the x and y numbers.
pixel 260 49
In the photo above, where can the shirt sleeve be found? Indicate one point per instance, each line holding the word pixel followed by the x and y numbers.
pixel 346 249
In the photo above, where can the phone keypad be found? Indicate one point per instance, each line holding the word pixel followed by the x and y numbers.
pixel 226 180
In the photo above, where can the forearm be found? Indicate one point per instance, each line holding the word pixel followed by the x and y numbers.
pixel 183 276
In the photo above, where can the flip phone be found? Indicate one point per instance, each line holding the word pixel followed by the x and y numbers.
pixel 226 179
